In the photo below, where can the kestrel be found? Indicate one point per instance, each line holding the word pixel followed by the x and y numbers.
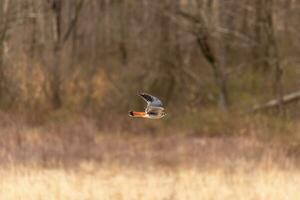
pixel 154 109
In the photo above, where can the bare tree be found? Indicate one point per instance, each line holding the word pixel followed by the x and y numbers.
pixel 60 35
pixel 4 27
pixel 273 52
pixel 204 41
pixel 261 34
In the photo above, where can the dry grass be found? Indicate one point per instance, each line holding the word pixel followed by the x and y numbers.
pixel 76 160
pixel 94 182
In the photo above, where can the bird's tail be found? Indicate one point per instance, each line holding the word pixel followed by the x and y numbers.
pixel 137 114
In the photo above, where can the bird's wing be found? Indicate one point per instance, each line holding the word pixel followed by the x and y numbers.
pixel 154 110
pixel 152 101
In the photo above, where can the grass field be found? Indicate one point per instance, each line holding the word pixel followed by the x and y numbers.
pixel 111 182
pixel 78 161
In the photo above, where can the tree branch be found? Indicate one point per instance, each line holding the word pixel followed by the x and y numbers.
pixel 289 98
pixel 73 22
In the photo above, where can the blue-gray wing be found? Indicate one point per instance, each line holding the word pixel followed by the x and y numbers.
pixel 154 110
pixel 152 101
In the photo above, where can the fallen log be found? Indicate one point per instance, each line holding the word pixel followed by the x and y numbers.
pixel 289 98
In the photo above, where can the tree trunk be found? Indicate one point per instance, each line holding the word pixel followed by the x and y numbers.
pixel 55 68
pixel 59 40
pixel 123 33
pixel 273 52
pixel 261 28
pixel 223 47
pixel 3 34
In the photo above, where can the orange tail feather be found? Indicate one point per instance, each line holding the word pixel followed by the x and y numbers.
pixel 137 114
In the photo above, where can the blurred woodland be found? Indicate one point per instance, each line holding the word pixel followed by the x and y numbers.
pixel 94 56
pixel 227 72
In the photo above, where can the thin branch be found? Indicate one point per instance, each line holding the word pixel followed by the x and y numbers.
pixel 275 103
pixel 73 22
pixel 189 17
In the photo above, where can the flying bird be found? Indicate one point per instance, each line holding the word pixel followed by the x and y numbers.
pixel 154 109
